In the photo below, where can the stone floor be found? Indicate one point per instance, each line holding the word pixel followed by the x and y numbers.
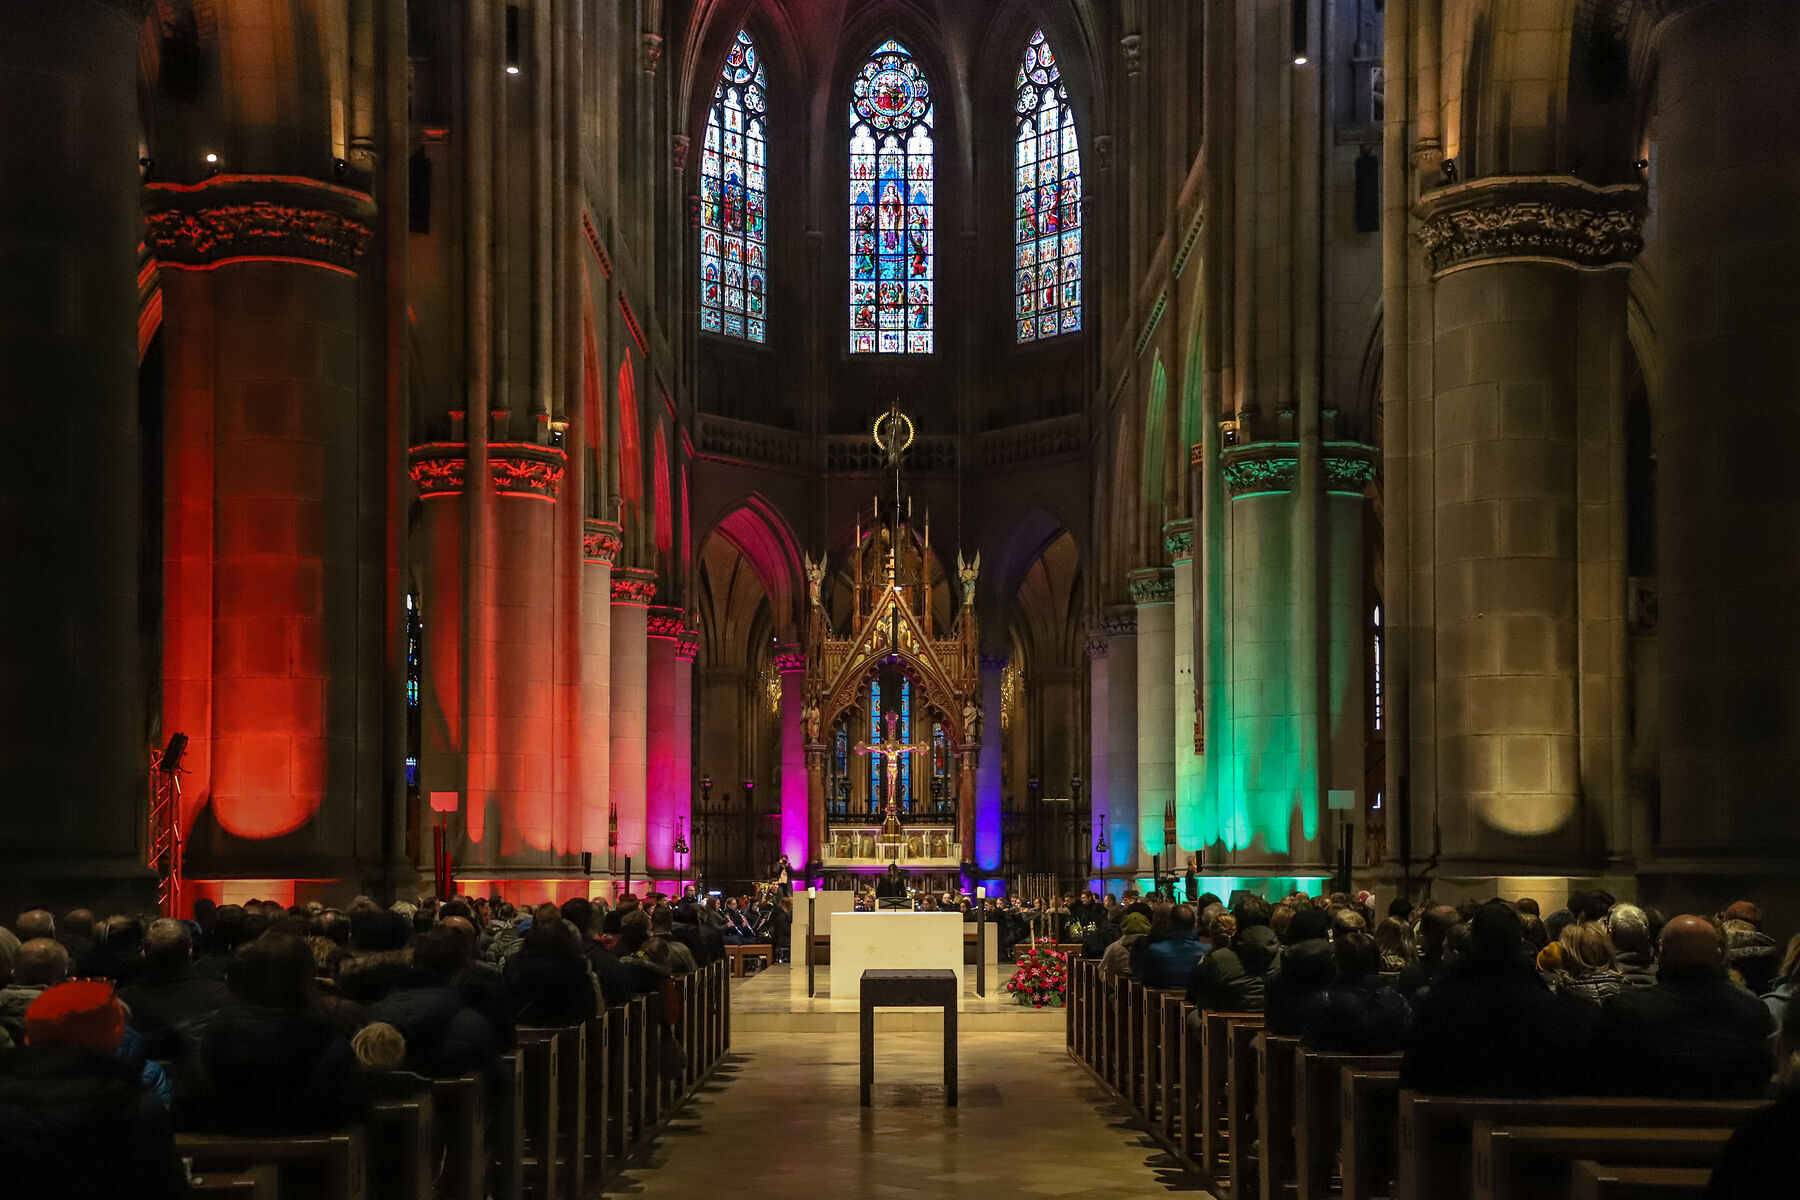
pixel 775 1001
pixel 782 1121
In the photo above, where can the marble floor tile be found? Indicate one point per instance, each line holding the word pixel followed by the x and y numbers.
pixel 782 1121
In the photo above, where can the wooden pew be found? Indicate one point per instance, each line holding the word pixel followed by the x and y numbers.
pixel 1155 1050
pixel 1597 1181
pixel 1275 1055
pixel 1240 1107
pixel 1533 1162
pixel 639 1102
pixel 320 1166
pixel 1215 1065
pixel 737 955
pixel 1369 1108
pixel 1133 1064
pixel 459 1137
pixel 600 1099
pixel 1191 1119
pixel 252 1183
pixel 509 1155
pixel 1436 1132
pixel 400 1158
pixel 1168 1068
pixel 541 1065
pixel 1318 1090
pixel 1072 1007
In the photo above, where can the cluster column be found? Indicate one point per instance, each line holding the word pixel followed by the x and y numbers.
pixel 989 802
pixel 70 672
pixel 1153 591
pixel 1099 751
pixel 601 544
pixel 632 590
pixel 1121 817
pixel 663 627
pixel 802 829
pixel 1178 539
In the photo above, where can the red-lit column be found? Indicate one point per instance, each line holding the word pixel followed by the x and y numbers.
pixel 663 626
pixel 72 735
pixel 632 590
pixel 600 550
pixel 521 811
pixel 263 269
pixel 438 471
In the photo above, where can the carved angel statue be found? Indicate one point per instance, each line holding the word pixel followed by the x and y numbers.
pixel 815 577
pixel 971 723
pixel 967 571
pixel 811 718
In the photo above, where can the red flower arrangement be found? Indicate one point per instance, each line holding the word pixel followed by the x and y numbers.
pixel 1042 976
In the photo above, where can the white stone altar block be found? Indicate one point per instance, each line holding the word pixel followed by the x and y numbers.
pixel 827 904
pixel 862 941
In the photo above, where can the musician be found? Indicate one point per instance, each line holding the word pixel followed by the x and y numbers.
pixel 892 884
pixel 784 877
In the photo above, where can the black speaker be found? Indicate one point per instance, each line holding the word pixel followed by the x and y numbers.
pixel 1368 192
pixel 171 755
pixel 587 862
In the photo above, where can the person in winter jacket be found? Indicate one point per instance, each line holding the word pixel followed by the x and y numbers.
pixel 1360 1012
pixel 1169 962
pixel 1307 969
pixel 1629 928
pixel 548 981
pixel 80 1118
pixel 1589 969
pixel 1234 977
pixel 170 1002
pixel 1117 958
pixel 274 1063
pixel 40 963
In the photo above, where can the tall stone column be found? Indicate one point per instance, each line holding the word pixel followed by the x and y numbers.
pixel 802 836
pixel 523 827
pixel 632 590
pixel 601 544
pixel 1178 539
pixel 272 412
pixel 1121 818
pixel 1725 253
pixel 989 799
pixel 663 626
pixel 74 738
pixel 687 646
pixel 1153 591
pixel 1504 423
pixel 1099 783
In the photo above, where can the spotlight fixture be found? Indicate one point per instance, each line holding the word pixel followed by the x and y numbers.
pixel 212 160
pixel 512 68
pixel 339 166
pixel 1642 164
pixel 1449 170
pixel 1299 60
pixel 512 39
pixel 1100 846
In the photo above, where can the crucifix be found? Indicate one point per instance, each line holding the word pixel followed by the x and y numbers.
pixel 889 750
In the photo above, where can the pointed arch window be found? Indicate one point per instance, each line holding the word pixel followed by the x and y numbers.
pixel 893 198
pixel 733 197
pixel 1046 201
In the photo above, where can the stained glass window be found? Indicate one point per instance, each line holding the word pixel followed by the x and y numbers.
pixel 875 739
pixel 892 193
pixel 733 190
pixel 1047 200
pixel 906 739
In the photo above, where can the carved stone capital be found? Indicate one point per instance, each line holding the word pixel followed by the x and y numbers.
pixel 687 646
pixel 665 623
pixel 1350 467
pixel 1103 151
pixel 601 541
pixel 246 218
pixel 1132 47
pixel 789 660
pixel 633 585
pixel 1178 539
pixel 1096 647
pixel 437 468
pixel 1118 622
pixel 1151 585
pixel 1532 218
pixel 526 469
pixel 653 52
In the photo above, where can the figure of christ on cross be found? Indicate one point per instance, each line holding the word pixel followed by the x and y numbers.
pixel 889 750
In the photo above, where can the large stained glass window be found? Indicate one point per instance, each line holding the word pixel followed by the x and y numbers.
pixel 1047 200
pixel 733 191
pixel 892 192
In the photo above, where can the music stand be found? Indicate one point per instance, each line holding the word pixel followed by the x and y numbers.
pixel 895 904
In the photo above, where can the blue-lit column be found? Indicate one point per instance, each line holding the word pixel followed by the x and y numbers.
pixel 987 778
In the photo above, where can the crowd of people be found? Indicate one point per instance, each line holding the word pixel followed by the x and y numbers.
pixel 263 1019
pixel 1496 999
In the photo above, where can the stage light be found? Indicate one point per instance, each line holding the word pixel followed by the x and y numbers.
pixel 511 69
pixel 1299 60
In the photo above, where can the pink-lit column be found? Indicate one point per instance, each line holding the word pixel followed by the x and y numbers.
pixel 600 550
pixel 687 647
pixel 796 814
pixel 632 590
pixel 662 626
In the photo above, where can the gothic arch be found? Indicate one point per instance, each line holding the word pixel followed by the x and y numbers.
pixel 757 530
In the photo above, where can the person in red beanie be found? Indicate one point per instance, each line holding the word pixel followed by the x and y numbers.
pixel 67 1091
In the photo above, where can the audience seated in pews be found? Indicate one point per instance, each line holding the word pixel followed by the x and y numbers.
pixel 1758 1161
pixel 548 981
pixel 1117 958
pixel 1234 975
pixel 1359 1012
pixel 1695 1034
pixel 1307 969
pixel 1394 941
pixel 275 1062
pixel 1433 934
pixel 78 1116
pixel 1169 962
pixel 445 1035
pixel 1629 927
pixel 1583 964
pixel 1489 1025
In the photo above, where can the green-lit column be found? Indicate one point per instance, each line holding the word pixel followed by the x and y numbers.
pixel 1345 631
pixel 1261 809
pixel 1153 591
pixel 1190 831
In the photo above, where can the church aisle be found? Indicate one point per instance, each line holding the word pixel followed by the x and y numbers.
pixel 785 1122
